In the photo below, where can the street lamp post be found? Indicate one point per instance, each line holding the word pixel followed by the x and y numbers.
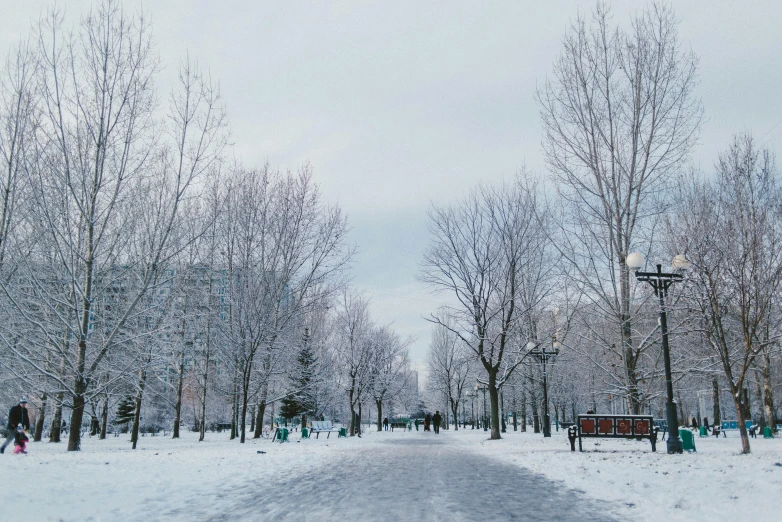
pixel 544 356
pixel 471 395
pixel 484 389
pixel 661 281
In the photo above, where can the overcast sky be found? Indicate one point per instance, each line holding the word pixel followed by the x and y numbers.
pixel 401 104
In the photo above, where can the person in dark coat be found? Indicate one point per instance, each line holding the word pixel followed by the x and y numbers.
pixel 427 422
pixel 385 424
pixel 437 419
pixel 16 417
pixel 417 422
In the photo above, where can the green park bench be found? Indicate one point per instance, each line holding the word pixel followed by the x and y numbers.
pixel 404 424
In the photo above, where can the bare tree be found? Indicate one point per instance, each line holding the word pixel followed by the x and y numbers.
pixel 288 245
pixel 484 253
pixel 388 373
pixel 450 368
pixel 731 230
pixel 619 118
pixel 18 120
pixel 353 351
pixel 106 196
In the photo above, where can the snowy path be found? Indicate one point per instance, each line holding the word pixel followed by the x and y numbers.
pixel 413 477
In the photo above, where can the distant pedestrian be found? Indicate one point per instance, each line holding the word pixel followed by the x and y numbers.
pixel 385 424
pixel 417 422
pixel 437 419
pixel 427 422
pixel 753 431
pixel 706 424
pixel 694 423
pixel 17 416
pixel 20 440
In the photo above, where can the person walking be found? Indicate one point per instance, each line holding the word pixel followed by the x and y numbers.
pixel 16 417
pixel 437 419
pixel 417 422
pixel 385 424
pixel 427 421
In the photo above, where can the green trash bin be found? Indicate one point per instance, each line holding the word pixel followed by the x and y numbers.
pixel 282 434
pixel 704 432
pixel 342 433
pixel 688 441
pixel 305 433
pixel 767 433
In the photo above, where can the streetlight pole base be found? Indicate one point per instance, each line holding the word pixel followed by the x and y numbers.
pixel 674 443
pixel 546 425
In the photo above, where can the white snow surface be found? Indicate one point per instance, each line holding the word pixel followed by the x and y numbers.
pixel 183 479
pixel 716 482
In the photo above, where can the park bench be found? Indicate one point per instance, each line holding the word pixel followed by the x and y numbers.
pixel 324 426
pixel 400 424
pixel 612 427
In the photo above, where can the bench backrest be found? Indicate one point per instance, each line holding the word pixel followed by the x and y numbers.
pixel 321 425
pixel 615 425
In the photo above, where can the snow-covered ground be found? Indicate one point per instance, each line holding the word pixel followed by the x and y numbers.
pixel 186 480
pixel 714 483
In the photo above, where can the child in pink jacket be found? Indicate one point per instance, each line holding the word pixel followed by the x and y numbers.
pixel 20 440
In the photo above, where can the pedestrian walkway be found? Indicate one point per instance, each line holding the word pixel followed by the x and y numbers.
pixel 418 477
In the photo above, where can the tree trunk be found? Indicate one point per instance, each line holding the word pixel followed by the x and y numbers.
pixel 455 411
pixel 202 430
pixel 261 410
pixel 104 417
pixel 74 435
pixel 745 402
pixel 180 385
pixel 379 404
pixel 234 405
pixel 54 434
pixel 716 399
pixel 631 377
pixel 39 418
pixel 768 392
pixel 358 420
pixel 351 392
pixel 205 374
pixel 523 411
pixel 245 392
pixel 494 400
pixel 740 410
pixel 259 419
pixel 502 412
pixel 94 423
pixel 142 381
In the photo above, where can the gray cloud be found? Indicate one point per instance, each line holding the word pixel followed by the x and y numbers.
pixel 397 104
